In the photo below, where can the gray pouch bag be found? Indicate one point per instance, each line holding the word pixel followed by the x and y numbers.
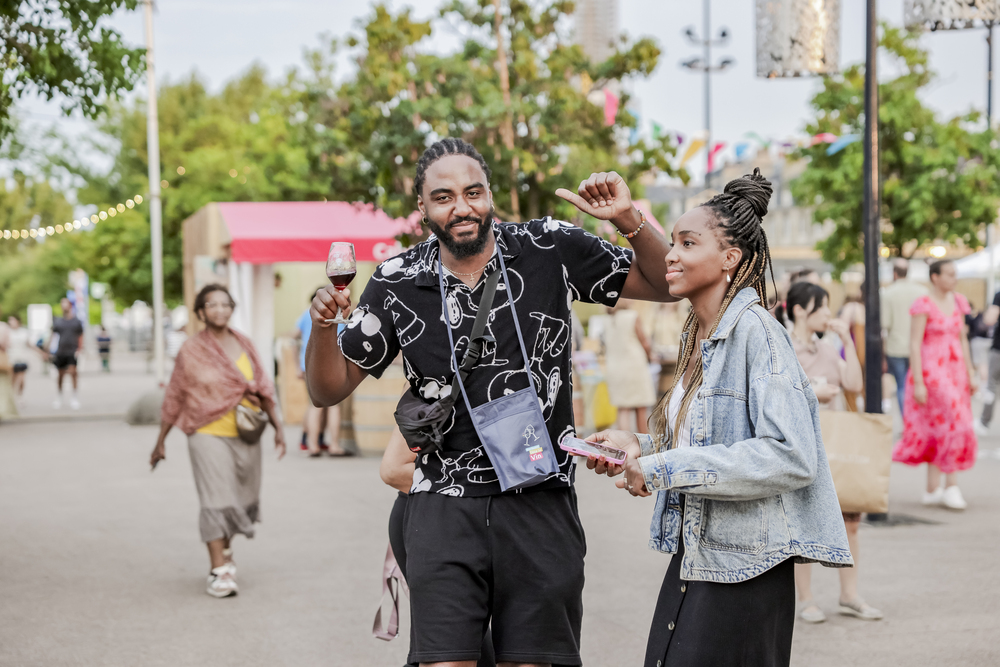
pixel 512 427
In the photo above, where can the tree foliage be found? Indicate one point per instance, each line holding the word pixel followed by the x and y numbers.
pixel 308 136
pixel 940 181
pixel 61 48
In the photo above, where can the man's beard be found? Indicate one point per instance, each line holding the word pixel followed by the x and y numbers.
pixel 464 249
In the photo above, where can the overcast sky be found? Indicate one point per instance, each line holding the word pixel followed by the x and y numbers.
pixel 221 38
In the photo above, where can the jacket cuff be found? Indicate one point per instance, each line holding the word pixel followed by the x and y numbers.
pixel 654 472
pixel 645 443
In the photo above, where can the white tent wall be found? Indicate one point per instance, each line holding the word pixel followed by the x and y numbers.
pixel 252 287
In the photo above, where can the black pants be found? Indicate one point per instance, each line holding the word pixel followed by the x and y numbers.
pixel 486 659
pixel 706 624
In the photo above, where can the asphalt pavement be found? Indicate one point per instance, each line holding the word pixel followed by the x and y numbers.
pixel 100 562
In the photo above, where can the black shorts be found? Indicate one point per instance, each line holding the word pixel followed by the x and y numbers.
pixel 20 367
pixel 62 361
pixel 515 560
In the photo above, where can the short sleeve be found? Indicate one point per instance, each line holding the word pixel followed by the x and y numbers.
pixel 595 270
pixel 962 304
pixel 921 306
pixel 369 339
pixel 996 299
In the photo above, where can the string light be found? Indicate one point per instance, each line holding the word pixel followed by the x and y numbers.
pixel 52 230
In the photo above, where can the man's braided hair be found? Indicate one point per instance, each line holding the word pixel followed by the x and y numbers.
pixel 738 212
pixel 438 150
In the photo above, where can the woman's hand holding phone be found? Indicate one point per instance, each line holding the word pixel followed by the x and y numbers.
pixel 633 481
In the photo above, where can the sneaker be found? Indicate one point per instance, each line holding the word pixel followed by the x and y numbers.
pixel 221 582
pixel 810 613
pixel 980 428
pixel 952 499
pixel 57 404
pixel 934 498
pixel 860 609
pixel 228 555
pixel 74 404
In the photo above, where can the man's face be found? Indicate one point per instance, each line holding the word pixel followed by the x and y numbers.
pixel 456 201
pixel 67 307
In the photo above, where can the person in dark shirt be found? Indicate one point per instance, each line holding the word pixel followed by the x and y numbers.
pixel 104 348
pixel 477 556
pixel 67 340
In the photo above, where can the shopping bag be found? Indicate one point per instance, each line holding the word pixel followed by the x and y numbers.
pixel 605 414
pixel 859 449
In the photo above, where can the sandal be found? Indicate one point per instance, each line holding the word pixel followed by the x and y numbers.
pixel 810 612
pixel 858 608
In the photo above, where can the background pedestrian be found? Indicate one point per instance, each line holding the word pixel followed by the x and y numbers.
pixel 897 299
pixel 19 350
pixel 809 310
pixel 627 354
pixel 937 419
pixel 317 420
pixel 65 344
pixel 214 372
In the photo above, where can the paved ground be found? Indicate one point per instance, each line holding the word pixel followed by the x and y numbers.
pixel 100 562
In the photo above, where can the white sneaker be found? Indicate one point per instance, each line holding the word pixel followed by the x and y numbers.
pixel 980 428
pixel 221 582
pixel 935 498
pixel 57 404
pixel 74 404
pixel 952 499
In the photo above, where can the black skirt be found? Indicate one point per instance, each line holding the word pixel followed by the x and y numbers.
pixel 700 623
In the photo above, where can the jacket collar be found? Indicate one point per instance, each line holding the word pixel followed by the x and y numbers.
pixel 740 303
pixel 429 251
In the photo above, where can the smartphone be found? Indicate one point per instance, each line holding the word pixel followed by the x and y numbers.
pixel 595 449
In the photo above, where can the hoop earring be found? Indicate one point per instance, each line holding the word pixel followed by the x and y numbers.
pixel 423 221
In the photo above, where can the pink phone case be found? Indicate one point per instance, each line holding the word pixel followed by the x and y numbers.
pixel 584 448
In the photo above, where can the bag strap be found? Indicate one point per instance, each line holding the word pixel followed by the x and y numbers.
pixel 390 572
pixel 477 338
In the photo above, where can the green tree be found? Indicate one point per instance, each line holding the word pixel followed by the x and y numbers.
pixel 62 48
pixel 940 181
pixel 403 96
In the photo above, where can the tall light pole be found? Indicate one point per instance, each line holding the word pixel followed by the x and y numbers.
pixel 870 217
pixel 155 206
pixel 704 65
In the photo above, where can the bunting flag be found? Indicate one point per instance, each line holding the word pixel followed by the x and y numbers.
pixel 823 138
pixel 842 143
pixel 741 150
pixel 633 135
pixel 586 83
pixel 712 153
pixel 766 143
pixel 680 138
pixel 610 107
pixel 692 150
pixel 657 131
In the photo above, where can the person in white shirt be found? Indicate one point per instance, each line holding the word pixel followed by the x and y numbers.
pixel 896 301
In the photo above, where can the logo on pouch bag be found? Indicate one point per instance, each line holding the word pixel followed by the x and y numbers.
pixel 535 452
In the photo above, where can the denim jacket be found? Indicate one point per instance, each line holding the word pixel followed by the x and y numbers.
pixel 756 480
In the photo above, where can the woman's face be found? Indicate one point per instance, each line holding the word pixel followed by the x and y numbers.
pixel 218 309
pixel 947 279
pixel 819 320
pixel 698 257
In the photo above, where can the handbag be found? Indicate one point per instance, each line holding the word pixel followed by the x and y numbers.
pixel 422 424
pixel 393 582
pixel 512 428
pixel 250 423
pixel 859 448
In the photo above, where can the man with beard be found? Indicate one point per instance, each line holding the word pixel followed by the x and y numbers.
pixel 477 555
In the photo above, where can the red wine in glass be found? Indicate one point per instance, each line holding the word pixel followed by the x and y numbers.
pixel 341 267
pixel 342 280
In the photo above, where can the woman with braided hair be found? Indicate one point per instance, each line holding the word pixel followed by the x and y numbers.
pixel 743 485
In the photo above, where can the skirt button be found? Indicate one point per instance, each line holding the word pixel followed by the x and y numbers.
pixel 670 626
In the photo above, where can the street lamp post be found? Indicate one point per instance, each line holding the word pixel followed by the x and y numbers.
pixel 872 233
pixel 704 65
pixel 155 206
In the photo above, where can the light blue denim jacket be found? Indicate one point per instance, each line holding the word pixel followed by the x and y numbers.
pixel 756 481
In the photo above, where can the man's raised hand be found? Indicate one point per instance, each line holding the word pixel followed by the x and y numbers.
pixel 327 303
pixel 604 196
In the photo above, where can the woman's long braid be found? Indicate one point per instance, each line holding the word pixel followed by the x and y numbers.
pixel 739 212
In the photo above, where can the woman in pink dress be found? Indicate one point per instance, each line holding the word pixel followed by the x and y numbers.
pixel 937 419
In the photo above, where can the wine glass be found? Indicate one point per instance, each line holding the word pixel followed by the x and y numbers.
pixel 341 267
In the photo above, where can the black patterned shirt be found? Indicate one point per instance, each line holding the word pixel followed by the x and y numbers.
pixel 549 263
